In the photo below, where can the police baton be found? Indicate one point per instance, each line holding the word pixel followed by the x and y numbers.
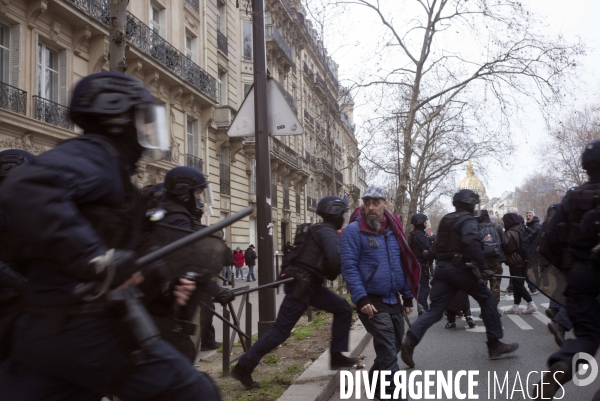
pixel 86 288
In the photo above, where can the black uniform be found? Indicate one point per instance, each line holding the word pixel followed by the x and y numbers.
pixel 320 258
pixel 458 234
pixel 583 273
pixel 419 242
pixel 72 204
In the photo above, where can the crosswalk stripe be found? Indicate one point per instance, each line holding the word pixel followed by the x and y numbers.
pixel 520 322
pixel 545 304
pixel 541 317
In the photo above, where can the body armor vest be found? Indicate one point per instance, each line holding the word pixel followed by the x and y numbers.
pixel 448 238
pixel 414 246
pixel 306 253
pixel 581 200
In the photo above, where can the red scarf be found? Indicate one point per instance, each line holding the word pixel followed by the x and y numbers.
pixel 410 264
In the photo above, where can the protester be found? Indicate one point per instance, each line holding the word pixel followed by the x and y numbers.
pixel 250 258
pixel 238 262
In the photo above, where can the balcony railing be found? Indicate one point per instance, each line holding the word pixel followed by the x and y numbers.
pixel 52 113
pixel 151 43
pixel 354 190
pixel 193 161
pixel 222 42
pixel 224 179
pixel 13 99
pixel 310 159
pixel 284 152
pixel 273 33
pixel 195 4
pixel 288 97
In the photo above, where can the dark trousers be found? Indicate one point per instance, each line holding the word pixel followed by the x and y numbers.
pixel 447 281
pixel 87 358
pixel 387 331
pixel 424 291
pixel 291 311
pixel 207 330
pixel 584 312
pixel 562 317
pixel 519 290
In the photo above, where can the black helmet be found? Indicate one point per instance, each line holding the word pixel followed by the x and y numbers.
pixel 418 219
pixel 590 158
pixel 11 159
pixel 104 102
pixel 465 196
pixel 331 206
pixel 182 183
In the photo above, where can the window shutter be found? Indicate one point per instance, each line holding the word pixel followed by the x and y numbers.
pixel 15 53
pixel 63 57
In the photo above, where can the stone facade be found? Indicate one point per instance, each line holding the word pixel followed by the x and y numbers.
pixel 194 57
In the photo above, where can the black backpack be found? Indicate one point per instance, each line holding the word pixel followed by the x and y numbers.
pixel 301 254
pixel 490 241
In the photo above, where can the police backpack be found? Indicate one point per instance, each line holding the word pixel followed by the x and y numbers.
pixel 490 241
pixel 306 251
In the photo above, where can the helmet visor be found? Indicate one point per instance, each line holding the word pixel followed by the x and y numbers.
pixel 204 198
pixel 151 126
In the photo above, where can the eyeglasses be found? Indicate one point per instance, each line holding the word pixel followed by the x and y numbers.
pixel 374 202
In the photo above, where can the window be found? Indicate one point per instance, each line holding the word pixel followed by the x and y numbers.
pixel 222 88
pixel 253 178
pixel 247 39
pixel 158 20
pixel 247 88
pixel 224 174
pixel 190 43
pixel 4 53
pixel 47 73
pixel 193 140
pixel 221 17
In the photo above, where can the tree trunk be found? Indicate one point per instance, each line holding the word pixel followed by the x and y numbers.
pixel 118 20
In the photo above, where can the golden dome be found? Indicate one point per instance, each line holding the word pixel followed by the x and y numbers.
pixel 473 183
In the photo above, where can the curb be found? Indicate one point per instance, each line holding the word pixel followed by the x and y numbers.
pixel 318 383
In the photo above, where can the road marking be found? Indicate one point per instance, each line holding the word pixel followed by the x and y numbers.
pixel 541 317
pixel 520 322
pixel 545 304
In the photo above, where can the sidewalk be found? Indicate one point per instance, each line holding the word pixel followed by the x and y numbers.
pixel 318 383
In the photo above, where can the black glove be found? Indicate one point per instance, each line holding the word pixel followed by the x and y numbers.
pixel 486 273
pixel 224 296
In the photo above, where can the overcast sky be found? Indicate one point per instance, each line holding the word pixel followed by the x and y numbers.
pixel 348 40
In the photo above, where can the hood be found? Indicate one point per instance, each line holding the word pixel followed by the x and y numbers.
pixel 484 216
pixel 510 220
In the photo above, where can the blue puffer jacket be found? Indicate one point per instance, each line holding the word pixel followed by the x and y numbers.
pixel 371 265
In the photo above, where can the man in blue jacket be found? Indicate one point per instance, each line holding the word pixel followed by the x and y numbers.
pixel 371 248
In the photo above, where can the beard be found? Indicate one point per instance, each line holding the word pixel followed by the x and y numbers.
pixel 373 223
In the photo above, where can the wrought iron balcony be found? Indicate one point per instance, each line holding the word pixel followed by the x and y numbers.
pixel 355 191
pixel 13 99
pixel 195 4
pixel 151 43
pixel 288 97
pixel 52 113
pixel 193 161
pixel 222 42
pixel 285 153
pixel 274 34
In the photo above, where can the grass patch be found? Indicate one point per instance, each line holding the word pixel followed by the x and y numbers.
pixel 271 360
pixel 302 333
pixel 293 369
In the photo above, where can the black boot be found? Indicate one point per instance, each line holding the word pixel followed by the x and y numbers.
pixel 558 331
pixel 450 326
pixel 244 377
pixel 496 348
pixel 470 322
pixel 560 372
pixel 552 312
pixel 408 347
pixel 339 361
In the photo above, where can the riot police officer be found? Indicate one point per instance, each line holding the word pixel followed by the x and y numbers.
pixel 419 243
pixel 315 256
pixel 185 189
pixel 576 220
pixel 458 243
pixel 80 217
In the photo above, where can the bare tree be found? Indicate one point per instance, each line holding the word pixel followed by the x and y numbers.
pixel 568 138
pixel 507 58
pixel 538 192
pixel 118 38
pixel 434 213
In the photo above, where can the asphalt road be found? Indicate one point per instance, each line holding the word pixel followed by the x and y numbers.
pixel 465 349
